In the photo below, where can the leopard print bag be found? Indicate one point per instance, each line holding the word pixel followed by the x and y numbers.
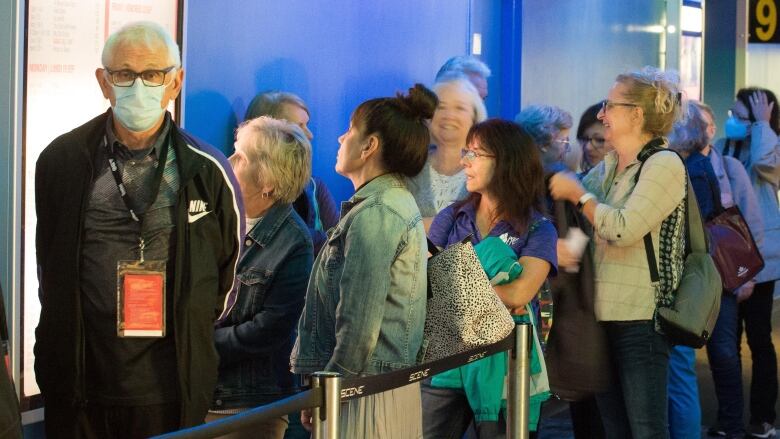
pixel 463 309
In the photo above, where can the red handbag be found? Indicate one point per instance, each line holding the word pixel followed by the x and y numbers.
pixel 733 248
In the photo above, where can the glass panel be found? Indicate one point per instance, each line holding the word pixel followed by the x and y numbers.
pixel 573 50
pixel 690 66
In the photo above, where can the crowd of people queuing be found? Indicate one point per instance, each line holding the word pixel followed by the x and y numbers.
pixel 264 281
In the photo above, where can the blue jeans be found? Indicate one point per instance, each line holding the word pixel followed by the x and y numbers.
pixel 684 408
pixel 723 355
pixel 636 406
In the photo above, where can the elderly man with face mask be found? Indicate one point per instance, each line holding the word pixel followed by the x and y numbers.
pixel 137 240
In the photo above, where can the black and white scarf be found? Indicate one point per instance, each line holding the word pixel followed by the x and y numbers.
pixel 671 239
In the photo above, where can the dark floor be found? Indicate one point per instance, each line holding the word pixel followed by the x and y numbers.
pixel 706 391
pixel 555 417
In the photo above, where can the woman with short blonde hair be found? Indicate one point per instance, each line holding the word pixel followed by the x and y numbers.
pixel 277 154
pixel 442 180
pixel 272 163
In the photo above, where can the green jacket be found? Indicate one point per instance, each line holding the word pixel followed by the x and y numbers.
pixel 483 380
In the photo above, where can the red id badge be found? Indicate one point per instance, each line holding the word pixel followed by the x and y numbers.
pixel 141 299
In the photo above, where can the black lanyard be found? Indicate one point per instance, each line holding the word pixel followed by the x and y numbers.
pixel 162 160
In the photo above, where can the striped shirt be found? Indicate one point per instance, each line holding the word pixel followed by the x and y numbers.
pixel 626 212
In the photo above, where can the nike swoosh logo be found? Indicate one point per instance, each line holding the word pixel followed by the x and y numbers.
pixel 192 218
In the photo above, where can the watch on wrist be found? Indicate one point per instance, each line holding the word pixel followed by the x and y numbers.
pixel 587 196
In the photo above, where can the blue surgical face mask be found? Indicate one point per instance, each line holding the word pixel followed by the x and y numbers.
pixel 735 128
pixel 138 107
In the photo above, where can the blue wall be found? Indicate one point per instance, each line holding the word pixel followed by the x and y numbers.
pixel 333 54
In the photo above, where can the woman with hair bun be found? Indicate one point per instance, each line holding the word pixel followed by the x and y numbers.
pixel 365 304
pixel 623 207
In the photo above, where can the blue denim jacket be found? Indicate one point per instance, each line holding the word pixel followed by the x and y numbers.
pixel 365 305
pixel 255 340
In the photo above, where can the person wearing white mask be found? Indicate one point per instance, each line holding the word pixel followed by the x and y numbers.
pixel 752 131
pixel 137 238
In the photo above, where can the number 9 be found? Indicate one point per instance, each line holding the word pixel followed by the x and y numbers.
pixel 766 15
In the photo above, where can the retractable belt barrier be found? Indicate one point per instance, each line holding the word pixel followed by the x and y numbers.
pixel 328 386
pixel 354 388
pixel 249 418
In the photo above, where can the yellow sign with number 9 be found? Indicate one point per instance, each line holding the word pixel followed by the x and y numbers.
pixel 766 15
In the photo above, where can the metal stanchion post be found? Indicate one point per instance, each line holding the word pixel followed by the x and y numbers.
pixel 317 426
pixel 332 404
pixel 519 383
pixel 331 409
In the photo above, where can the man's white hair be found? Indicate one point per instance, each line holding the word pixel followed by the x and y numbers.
pixel 144 33
pixel 463 65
